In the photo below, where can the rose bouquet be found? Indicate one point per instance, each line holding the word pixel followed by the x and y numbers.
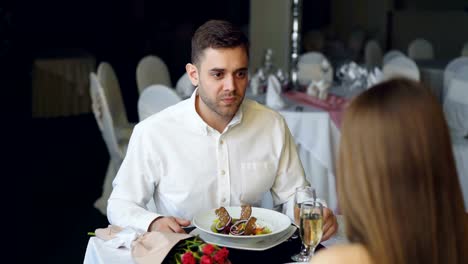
pixel 194 250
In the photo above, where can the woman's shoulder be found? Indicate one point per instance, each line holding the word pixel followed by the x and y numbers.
pixel 351 253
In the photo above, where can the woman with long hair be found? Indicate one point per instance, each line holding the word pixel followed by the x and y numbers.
pixel 397 183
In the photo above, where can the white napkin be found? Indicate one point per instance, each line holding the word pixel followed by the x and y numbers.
pixel 255 84
pixel 318 89
pixel 117 237
pixel 374 77
pixel 273 94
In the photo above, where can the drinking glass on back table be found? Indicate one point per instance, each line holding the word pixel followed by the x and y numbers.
pixel 302 194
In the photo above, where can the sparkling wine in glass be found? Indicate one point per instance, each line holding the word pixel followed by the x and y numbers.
pixel 311 227
pixel 303 194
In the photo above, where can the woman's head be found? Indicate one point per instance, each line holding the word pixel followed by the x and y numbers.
pixel 397 183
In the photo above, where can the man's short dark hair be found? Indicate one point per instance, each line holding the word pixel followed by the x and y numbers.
pixel 217 34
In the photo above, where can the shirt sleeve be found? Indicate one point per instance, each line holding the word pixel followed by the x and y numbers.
pixel 290 174
pixel 133 186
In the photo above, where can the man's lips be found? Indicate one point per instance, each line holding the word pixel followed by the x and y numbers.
pixel 229 100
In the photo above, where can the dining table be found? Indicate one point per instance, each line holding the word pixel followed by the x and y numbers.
pixel 98 250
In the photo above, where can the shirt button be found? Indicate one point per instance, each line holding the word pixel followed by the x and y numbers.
pixel 221 142
pixel 223 172
pixel 223 200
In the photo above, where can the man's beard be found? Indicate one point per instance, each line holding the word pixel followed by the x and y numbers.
pixel 226 112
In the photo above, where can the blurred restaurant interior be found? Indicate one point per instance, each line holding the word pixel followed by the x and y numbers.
pixel 70 156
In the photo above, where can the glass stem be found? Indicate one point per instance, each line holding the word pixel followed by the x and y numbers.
pixel 305 250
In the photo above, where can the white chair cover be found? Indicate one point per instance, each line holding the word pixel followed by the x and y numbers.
pixel 373 54
pixel 184 86
pixel 401 67
pixel 391 55
pixel 110 84
pixel 420 49
pixel 450 71
pixel 310 68
pixel 464 51
pixel 115 147
pixel 456 114
pixel 456 103
pixel 154 99
pixel 152 70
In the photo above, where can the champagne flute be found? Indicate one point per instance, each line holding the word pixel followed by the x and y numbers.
pixel 311 227
pixel 302 194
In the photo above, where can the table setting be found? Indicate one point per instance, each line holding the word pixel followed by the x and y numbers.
pixel 279 238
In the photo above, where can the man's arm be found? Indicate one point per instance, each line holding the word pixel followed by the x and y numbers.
pixel 133 186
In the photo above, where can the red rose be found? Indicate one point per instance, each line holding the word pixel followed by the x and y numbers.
pixel 188 258
pixel 208 249
pixel 206 260
pixel 221 255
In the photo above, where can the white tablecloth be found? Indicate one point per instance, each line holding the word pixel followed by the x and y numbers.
pixel 98 252
pixel 317 139
pixel 460 153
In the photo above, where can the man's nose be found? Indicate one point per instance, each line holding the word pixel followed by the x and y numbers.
pixel 229 83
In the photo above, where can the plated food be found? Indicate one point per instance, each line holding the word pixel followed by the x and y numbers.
pixel 268 223
pixel 245 225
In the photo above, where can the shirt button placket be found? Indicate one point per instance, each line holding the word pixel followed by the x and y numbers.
pixel 224 173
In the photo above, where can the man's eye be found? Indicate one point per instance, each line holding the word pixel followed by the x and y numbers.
pixel 241 74
pixel 217 74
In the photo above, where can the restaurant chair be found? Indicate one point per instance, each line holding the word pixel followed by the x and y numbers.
pixel 420 49
pixel 391 54
pixel 373 54
pixel 152 70
pixel 401 67
pixel 314 66
pixel 115 147
pixel 156 98
pixel 456 103
pixel 456 113
pixel 450 71
pixel 110 84
pixel 464 51
pixel 184 86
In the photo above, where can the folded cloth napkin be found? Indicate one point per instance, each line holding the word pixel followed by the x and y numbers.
pixel 116 236
pixel 273 94
pixel 374 77
pixel 255 84
pixel 146 248
pixel 318 89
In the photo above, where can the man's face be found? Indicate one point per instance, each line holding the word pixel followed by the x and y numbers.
pixel 222 77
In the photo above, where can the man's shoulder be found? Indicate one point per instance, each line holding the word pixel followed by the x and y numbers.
pixel 165 117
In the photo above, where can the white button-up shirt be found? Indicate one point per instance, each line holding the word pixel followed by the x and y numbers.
pixel 185 166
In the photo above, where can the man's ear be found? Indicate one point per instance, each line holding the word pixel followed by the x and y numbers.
pixel 192 72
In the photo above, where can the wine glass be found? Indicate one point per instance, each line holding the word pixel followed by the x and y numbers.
pixel 311 227
pixel 302 194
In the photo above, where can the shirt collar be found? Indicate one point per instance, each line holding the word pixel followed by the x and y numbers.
pixel 203 127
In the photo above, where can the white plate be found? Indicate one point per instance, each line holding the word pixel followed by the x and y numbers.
pixel 256 245
pixel 275 221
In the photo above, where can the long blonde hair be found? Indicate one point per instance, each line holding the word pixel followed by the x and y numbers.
pixel 397 183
